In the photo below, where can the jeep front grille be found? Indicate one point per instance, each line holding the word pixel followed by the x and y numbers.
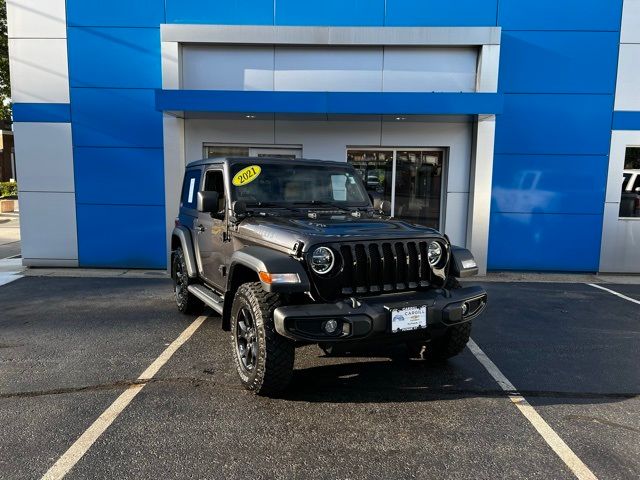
pixel 375 267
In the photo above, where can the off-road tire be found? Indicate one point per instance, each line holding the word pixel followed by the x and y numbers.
pixel 186 301
pixel 450 344
pixel 275 354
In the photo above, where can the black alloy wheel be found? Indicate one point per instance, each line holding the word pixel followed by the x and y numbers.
pixel 263 358
pixel 246 340
pixel 186 301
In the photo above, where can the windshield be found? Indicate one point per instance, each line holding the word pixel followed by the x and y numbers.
pixel 291 184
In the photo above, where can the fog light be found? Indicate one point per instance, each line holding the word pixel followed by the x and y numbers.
pixel 330 326
pixel 346 328
pixel 465 308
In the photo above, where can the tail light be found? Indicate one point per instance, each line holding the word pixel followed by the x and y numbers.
pixel 177 222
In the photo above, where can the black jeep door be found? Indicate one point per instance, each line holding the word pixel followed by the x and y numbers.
pixel 211 232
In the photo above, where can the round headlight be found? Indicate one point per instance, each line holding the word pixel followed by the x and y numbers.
pixel 322 260
pixel 434 252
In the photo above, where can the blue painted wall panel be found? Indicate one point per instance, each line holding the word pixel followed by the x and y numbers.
pixel 438 13
pixel 544 242
pixel 240 12
pixel 560 14
pixel 330 12
pixel 115 13
pixel 42 112
pixel 139 242
pixel 555 124
pixel 127 176
pixel 558 62
pixel 115 118
pixel 387 103
pixel 549 184
pixel 621 120
pixel 114 57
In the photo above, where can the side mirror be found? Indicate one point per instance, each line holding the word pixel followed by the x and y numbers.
pixel 239 208
pixel 385 206
pixel 207 202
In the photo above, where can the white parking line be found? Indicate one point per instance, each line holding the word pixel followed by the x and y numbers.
pixel 614 293
pixel 10 269
pixel 76 451
pixel 6 278
pixel 579 469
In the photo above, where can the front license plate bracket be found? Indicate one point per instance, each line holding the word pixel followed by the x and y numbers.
pixel 408 318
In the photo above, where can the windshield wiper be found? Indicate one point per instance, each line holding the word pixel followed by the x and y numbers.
pixel 259 205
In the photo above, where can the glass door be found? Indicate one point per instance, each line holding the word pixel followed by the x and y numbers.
pixel 419 186
pixel 410 178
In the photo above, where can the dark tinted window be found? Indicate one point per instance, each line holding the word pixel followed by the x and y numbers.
pixel 190 188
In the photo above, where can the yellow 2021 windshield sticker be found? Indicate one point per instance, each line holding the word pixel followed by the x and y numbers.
pixel 246 175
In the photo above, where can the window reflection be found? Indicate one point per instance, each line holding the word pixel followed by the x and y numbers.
pixel 418 178
pixel 375 168
pixel 418 187
pixel 630 198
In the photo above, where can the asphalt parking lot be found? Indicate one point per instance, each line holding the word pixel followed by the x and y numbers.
pixel 69 347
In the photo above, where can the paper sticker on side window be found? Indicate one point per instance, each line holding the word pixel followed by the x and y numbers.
pixel 192 184
pixel 246 175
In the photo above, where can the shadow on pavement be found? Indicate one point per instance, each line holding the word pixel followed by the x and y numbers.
pixel 381 380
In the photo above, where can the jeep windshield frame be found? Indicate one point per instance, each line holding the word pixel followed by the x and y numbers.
pixel 308 185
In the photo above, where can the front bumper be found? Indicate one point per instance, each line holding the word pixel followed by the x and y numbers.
pixel 368 318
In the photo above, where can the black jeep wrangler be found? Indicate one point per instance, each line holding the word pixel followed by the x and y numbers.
pixel 293 252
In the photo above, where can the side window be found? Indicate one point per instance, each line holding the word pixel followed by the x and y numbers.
pixel 214 182
pixel 190 188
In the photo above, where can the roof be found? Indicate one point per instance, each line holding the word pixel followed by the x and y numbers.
pixel 263 160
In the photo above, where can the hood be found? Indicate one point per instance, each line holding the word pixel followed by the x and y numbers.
pixel 286 231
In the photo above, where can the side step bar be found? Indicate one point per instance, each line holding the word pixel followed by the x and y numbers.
pixel 208 296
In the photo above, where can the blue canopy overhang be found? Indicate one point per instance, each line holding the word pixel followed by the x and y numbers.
pixel 329 103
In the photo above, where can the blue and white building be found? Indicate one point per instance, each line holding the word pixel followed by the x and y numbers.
pixel 512 125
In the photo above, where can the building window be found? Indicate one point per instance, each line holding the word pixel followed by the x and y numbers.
pixel 409 178
pixel 273 151
pixel 213 151
pixel 630 198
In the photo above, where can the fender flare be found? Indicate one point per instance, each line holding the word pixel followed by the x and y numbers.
pixel 463 264
pixel 262 259
pixel 184 236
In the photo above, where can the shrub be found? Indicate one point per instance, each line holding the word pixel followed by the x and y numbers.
pixel 8 189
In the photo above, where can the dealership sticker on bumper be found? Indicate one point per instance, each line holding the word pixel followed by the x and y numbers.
pixel 409 318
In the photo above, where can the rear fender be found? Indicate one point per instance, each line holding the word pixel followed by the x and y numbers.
pixel 182 237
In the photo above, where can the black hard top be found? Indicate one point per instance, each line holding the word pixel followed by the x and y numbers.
pixel 262 160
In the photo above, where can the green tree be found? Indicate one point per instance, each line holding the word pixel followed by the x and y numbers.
pixel 5 84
